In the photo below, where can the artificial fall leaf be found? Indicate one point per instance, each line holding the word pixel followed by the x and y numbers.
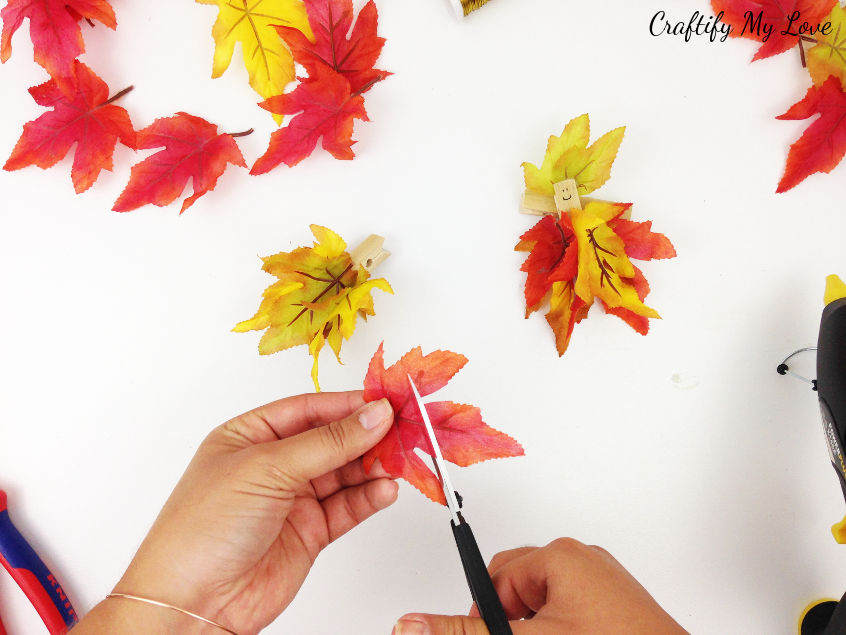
pixel 566 309
pixel 193 149
pixel 775 13
pixel 569 157
pixel 550 258
pixel 585 255
pixel 828 56
pixel 823 144
pixel 604 267
pixel 462 435
pixel 327 102
pixel 317 299
pixel 87 119
pixel 323 107
pixel 55 33
pixel 252 22
pixel 352 57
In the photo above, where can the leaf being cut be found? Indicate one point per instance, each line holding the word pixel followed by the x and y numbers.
pixel 318 298
pixel 462 435
pixel 823 144
pixel 828 56
pixel 193 150
pixel 585 255
pixel 327 102
pixel 354 57
pixel 252 24
pixel 86 119
pixel 569 157
pixel 55 33
pixel 775 14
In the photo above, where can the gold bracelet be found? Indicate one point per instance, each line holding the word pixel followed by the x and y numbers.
pixel 126 596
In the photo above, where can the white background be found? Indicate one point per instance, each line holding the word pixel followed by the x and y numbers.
pixel 683 452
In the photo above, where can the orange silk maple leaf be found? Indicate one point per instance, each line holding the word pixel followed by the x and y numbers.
pixel 327 102
pixel 464 438
pixel 87 119
pixel 323 107
pixel 823 144
pixel 55 33
pixel 775 14
pixel 585 255
pixel 193 149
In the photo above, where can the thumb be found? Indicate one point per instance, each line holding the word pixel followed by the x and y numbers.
pixel 320 450
pixel 419 624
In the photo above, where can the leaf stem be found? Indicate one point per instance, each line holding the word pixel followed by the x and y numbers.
pixel 241 134
pixel 367 86
pixel 118 95
pixel 802 53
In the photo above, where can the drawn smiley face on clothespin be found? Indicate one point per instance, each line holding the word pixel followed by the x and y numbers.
pixel 567 196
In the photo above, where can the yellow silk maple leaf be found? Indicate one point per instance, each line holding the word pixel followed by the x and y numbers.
pixel 266 56
pixel 828 56
pixel 317 299
pixel 569 157
pixel 605 271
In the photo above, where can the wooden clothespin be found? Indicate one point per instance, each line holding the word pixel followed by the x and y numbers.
pixel 566 198
pixel 370 253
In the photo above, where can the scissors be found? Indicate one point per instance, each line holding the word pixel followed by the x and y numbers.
pixel 478 579
pixel 828 617
pixel 32 575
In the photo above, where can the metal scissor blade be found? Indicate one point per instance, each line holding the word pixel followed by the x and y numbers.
pixel 440 464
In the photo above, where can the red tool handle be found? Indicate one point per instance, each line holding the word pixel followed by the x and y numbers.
pixel 33 577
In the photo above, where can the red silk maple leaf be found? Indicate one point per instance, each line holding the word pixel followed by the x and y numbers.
pixel 823 144
pixel 641 242
pixel 324 107
pixel 340 71
pixel 354 58
pixel 54 29
pixel 88 119
pixel 550 259
pixel 776 13
pixel 464 438
pixel 193 149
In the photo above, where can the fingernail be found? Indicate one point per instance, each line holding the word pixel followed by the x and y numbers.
pixel 411 627
pixel 375 414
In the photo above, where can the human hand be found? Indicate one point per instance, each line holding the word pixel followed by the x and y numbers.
pixel 264 494
pixel 563 588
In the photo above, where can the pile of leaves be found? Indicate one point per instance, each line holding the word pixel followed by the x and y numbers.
pixel 317 35
pixel 462 435
pixel 319 295
pixel 823 144
pixel 585 254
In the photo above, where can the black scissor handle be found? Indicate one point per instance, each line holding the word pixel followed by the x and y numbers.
pixel 479 581
pixel 831 364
